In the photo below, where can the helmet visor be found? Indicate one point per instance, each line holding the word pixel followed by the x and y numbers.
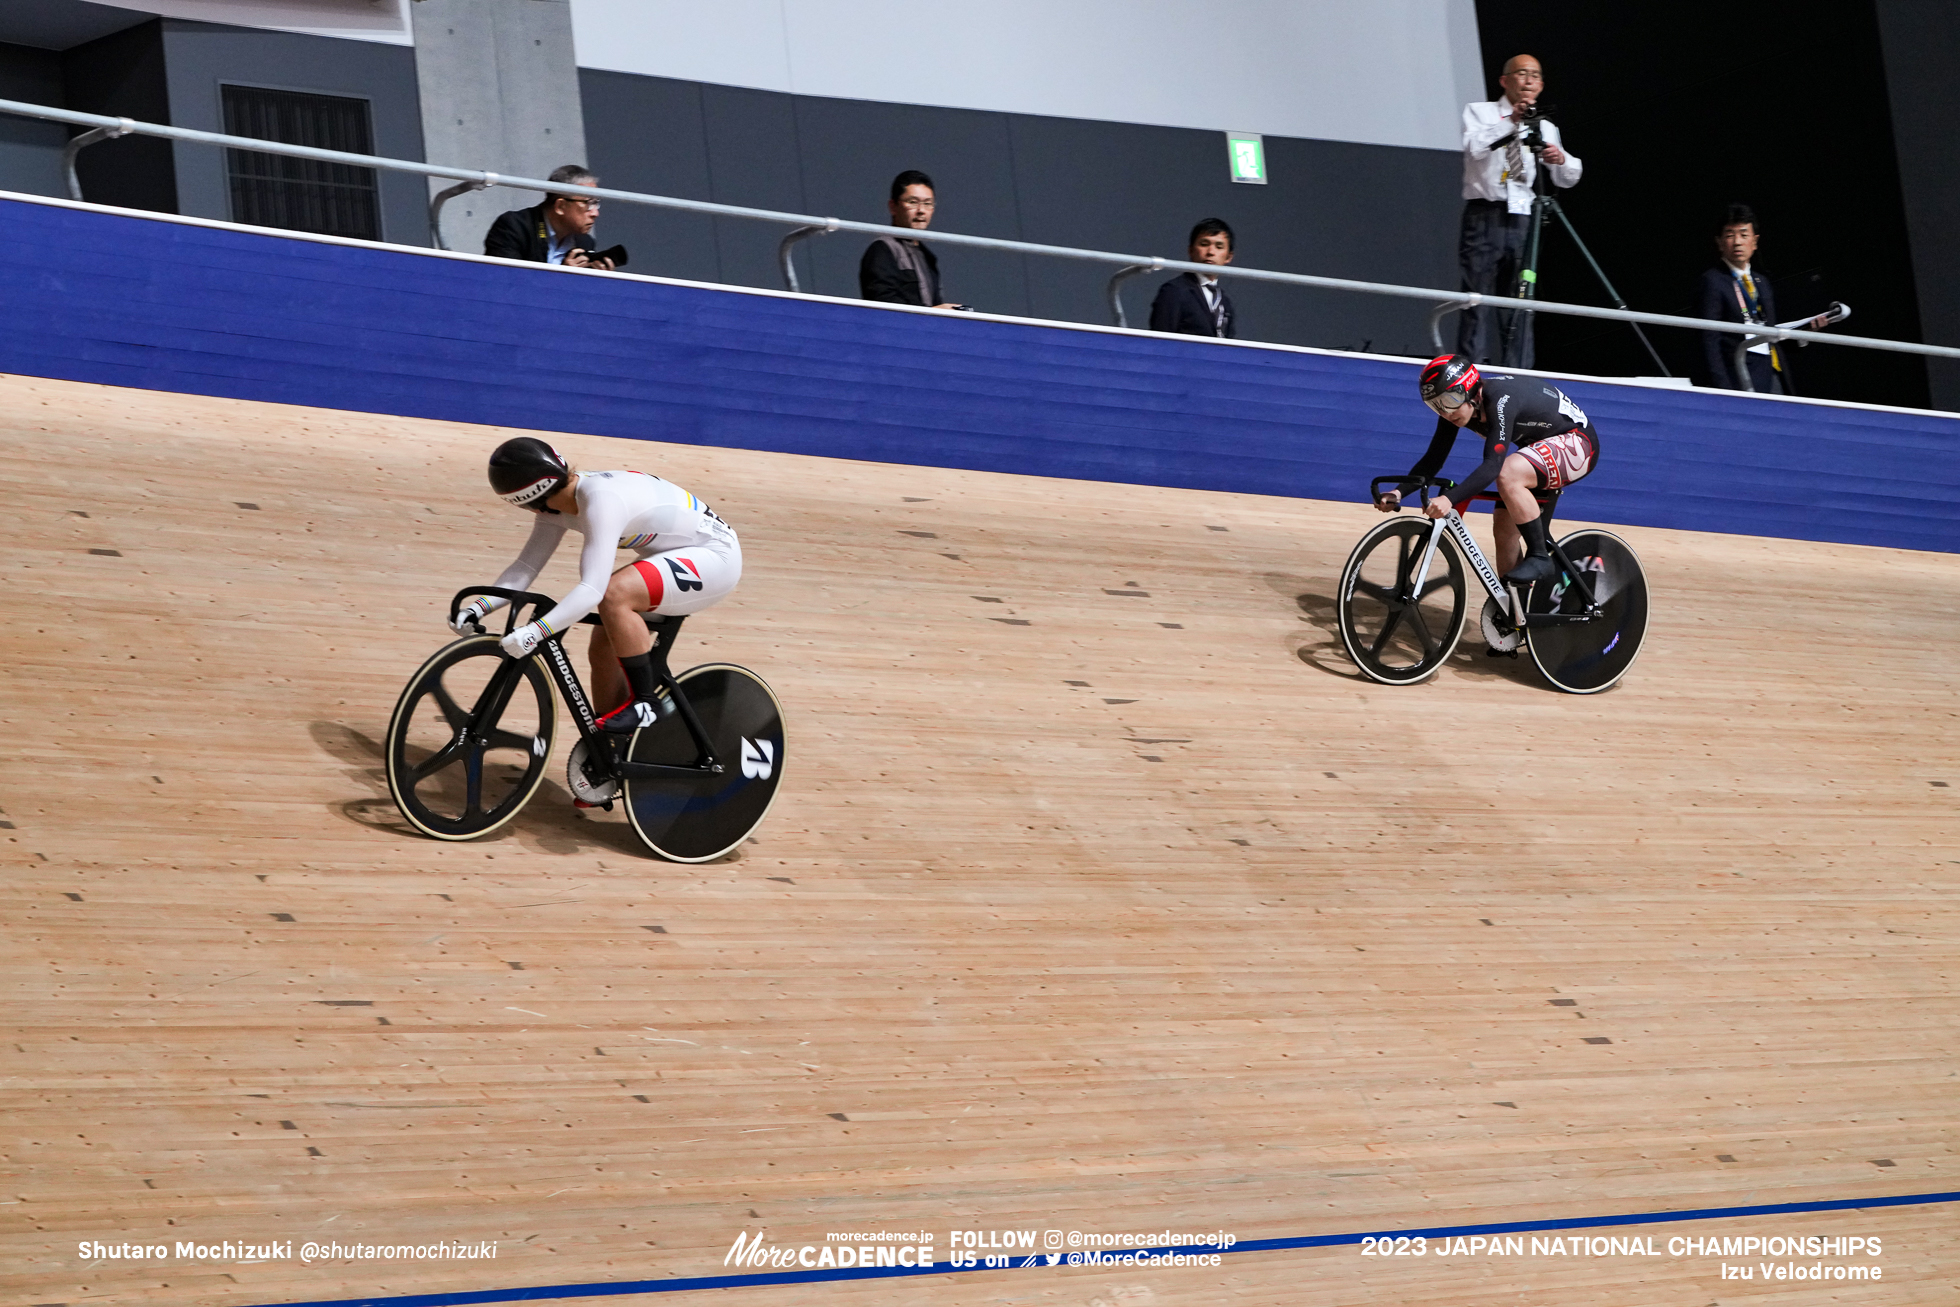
pixel 1448 401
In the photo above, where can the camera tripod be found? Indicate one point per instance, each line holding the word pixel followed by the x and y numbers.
pixel 1531 135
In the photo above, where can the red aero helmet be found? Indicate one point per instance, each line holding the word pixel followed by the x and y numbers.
pixel 526 472
pixel 1449 381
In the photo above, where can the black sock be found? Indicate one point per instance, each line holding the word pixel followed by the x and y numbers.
pixel 1536 543
pixel 639 674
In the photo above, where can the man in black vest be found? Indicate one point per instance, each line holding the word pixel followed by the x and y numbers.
pixel 903 269
pixel 1195 305
pixel 556 231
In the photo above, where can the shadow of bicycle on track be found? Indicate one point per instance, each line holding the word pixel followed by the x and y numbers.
pixel 1328 655
pixel 549 821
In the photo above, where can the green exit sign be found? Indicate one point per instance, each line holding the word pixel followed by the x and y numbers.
pixel 1247 153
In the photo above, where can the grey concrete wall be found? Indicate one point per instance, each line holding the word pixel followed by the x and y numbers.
pixel 1382 213
pixel 30 152
pixel 499 91
pixel 1920 40
pixel 200 58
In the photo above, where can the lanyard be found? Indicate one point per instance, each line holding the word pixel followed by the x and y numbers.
pixel 1752 310
pixel 1745 294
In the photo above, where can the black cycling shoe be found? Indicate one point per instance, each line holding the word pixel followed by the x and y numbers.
pixel 1534 568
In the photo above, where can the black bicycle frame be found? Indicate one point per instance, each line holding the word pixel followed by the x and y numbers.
pixel 558 666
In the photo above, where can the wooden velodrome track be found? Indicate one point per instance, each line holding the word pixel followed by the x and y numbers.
pixel 1100 896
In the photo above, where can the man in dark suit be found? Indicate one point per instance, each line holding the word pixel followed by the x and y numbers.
pixel 903 269
pixel 556 231
pixel 1736 292
pixel 1196 305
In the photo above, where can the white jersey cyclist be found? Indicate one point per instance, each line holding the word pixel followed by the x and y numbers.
pixel 688 559
pixel 692 555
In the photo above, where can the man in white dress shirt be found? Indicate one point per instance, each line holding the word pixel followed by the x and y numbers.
pixel 1498 173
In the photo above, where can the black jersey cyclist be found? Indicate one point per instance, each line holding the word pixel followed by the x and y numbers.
pixel 1535 439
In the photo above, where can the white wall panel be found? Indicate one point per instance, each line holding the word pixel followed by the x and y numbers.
pixel 1388 72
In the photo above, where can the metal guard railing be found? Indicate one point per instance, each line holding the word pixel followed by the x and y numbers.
pixel 106 128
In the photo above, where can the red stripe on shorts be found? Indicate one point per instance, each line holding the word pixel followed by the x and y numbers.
pixel 656 587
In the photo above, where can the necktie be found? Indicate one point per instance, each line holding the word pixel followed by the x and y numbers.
pixel 1514 155
pixel 1756 315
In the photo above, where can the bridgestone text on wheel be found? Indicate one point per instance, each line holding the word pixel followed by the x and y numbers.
pixel 695 819
pixel 1587 657
pixel 1394 636
pixel 467 745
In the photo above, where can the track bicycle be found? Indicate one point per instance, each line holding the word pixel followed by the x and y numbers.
pixel 471 737
pixel 1403 595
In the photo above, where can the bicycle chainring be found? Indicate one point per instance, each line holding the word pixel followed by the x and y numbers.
pixel 583 776
pixel 1499 634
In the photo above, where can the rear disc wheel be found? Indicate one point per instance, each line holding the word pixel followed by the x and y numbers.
pixel 700 818
pixel 1587 657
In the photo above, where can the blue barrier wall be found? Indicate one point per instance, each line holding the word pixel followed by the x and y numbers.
pixel 134 301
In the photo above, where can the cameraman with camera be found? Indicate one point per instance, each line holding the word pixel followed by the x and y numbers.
pixel 1503 143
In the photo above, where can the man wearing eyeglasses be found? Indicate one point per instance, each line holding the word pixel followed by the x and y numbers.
pixel 556 231
pixel 1498 174
pixel 903 269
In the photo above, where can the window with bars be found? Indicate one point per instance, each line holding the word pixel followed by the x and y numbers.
pixel 271 190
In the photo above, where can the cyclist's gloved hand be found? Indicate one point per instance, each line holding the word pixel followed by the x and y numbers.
pixel 469 616
pixel 520 643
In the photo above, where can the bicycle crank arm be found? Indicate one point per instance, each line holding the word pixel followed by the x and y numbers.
pixel 647 771
pixel 1561 619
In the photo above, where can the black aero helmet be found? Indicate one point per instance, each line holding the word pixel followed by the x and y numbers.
pixel 1449 381
pixel 526 472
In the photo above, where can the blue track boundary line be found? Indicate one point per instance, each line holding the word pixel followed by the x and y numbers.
pixel 622 1288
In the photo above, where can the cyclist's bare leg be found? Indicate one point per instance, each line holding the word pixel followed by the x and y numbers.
pixel 608 682
pixel 1516 482
pixel 622 631
pixel 1509 544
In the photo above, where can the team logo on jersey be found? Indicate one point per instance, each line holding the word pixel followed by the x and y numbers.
pixel 758 758
pixel 686 575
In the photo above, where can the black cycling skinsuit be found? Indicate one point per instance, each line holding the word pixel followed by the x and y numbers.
pixel 1516 412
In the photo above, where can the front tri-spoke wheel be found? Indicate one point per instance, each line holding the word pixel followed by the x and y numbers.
pixel 467 745
pixel 1395 633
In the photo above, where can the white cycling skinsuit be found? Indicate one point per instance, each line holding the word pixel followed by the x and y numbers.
pixel 689 558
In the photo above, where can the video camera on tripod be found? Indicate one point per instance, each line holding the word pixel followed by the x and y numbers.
pixel 1530 130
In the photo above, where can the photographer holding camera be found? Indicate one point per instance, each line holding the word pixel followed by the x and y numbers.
pixel 1503 143
pixel 557 231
